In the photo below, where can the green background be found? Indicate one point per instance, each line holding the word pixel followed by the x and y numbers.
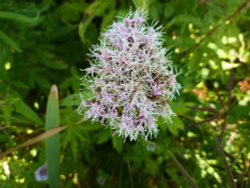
pixel 46 42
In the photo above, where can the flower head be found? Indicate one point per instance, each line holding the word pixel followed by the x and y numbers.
pixel 41 173
pixel 132 78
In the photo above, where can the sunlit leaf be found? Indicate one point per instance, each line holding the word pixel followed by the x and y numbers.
pixel 27 112
pixel 141 4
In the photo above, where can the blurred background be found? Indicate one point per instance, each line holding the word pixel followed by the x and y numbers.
pixel 45 42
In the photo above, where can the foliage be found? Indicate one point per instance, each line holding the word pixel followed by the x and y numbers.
pixel 207 145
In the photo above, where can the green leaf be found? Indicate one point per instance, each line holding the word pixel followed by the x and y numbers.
pixel 184 18
pixel 27 112
pixel 45 5
pixel 173 129
pixel 9 41
pixel 89 126
pixel 3 137
pixel 30 21
pixel 71 100
pixel 41 81
pixel 175 126
pixel 87 94
pixel 3 57
pixel 96 8
pixel 168 10
pixel 178 123
pixel 179 108
pixel 7 113
pixel 53 61
pixel 141 4
pixel 117 143
pixel 52 144
pixel 19 84
pixel 104 136
pixel 108 19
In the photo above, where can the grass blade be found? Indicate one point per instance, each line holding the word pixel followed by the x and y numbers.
pixel 52 144
pixel 189 179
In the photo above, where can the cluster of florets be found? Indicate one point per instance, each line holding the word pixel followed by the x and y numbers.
pixel 132 78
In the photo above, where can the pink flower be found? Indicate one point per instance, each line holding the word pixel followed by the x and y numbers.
pixel 132 77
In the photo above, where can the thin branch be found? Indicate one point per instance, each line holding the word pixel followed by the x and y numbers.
pixel 209 33
pixel 202 122
pixel 229 101
pixel 222 102
pixel 208 109
pixel 229 173
pixel 189 179
pixel 230 88
pixel 34 140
